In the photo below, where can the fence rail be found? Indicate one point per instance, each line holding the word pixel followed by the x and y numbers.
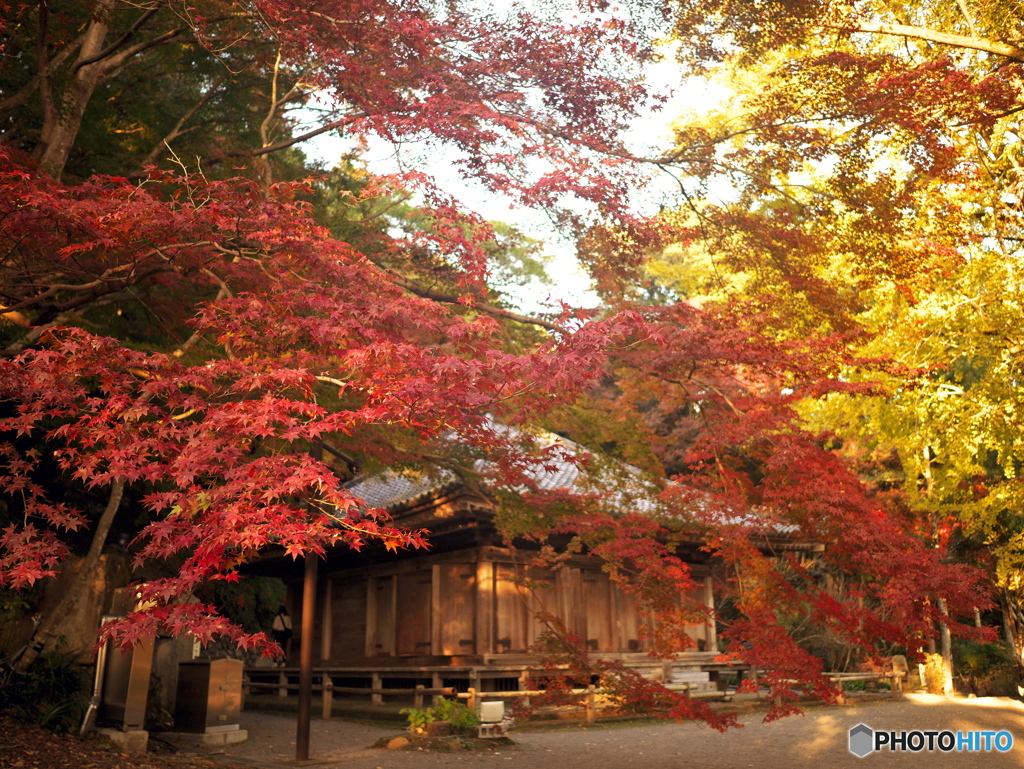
pixel 595 697
pixel 327 689
pixel 895 679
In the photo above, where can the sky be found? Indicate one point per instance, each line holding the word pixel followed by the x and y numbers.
pixel 649 134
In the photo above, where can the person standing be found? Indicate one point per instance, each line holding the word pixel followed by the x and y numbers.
pixel 282 630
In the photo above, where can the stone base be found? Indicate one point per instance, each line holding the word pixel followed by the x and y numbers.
pixel 129 742
pixel 205 739
pixel 491 731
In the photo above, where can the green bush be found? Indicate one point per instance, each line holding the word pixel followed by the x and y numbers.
pixel 985 669
pixel 452 711
pixel 971 658
pixel 53 692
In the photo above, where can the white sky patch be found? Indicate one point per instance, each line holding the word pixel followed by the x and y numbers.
pixel 649 136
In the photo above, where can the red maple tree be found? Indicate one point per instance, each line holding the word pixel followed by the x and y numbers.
pixel 269 340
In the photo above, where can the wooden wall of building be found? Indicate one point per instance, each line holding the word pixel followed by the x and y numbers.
pixel 467 606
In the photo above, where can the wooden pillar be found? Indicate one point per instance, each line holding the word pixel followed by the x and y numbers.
pixel 591 704
pixel 326 622
pixel 306 658
pixel 376 683
pixel 436 682
pixel 371 617
pixel 328 698
pixel 710 631
pixel 484 607
pixel 436 641
pixel 524 679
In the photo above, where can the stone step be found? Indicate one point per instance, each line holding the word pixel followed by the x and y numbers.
pixel 690 676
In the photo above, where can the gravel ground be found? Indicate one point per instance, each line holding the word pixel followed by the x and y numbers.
pixel 817 739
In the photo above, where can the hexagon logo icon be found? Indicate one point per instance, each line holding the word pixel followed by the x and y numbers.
pixel 862 740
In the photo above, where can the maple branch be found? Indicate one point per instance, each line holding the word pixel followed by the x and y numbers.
pixel 490 309
pixel 930 35
pixel 265 125
pixel 285 143
pixel 223 292
pixel 272 111
pixel 331 19
pixel 396 202
pixel 111 281
pixel 31 337
pixel 353 465
pixel 967 17
pixel 177 131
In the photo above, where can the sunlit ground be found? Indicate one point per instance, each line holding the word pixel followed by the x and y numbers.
pixel 818 739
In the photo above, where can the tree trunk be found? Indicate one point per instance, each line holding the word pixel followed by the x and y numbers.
pixel 1011 624
pixel 947 650
pixel 45 631
pixel 59 134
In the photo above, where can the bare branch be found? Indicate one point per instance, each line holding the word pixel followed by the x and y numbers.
pixel 113 64
pixel 930 35
pixel 177 130
pixel 285 143
pixel 31 337
pixel 489 309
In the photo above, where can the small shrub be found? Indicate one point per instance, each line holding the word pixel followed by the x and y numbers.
pixel 452 711
pixel 52 693
pixel 971 658
pixel 934 673
pixel 985 669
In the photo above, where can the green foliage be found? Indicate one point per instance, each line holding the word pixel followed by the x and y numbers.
pixel 973 658
pixel 251 602
pixel 51 693
pixel 452 711
pixel 985 669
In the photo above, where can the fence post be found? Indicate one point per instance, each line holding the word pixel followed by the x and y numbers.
pixel 841 698
pixel 328 691
pixel 282 679
pixel 471 701
pixel 524 680
pixel 417 700
pixel 591 704
pixel 375 683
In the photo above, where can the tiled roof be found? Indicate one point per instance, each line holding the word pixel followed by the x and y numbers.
pixel 620 486
pixel 393 490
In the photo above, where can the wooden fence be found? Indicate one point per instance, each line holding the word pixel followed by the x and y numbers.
pixel 595 699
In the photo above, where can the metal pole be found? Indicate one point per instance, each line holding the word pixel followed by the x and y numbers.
pixel 306 659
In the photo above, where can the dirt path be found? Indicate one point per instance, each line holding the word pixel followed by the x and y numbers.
pixel 817 740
